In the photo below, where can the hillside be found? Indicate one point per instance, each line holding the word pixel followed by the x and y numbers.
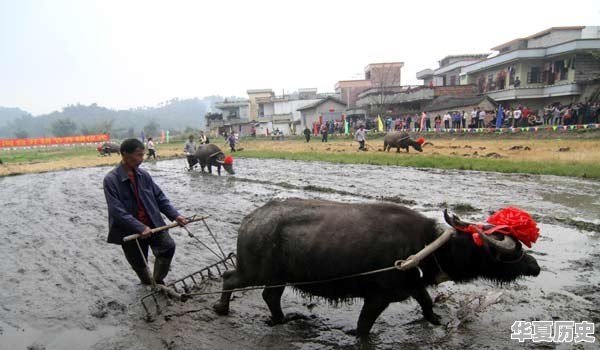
pixel 175 115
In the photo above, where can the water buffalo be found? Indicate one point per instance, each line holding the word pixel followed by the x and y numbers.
pixel 401 140
pixel 297 240
pixel 210 154
pixel 108 148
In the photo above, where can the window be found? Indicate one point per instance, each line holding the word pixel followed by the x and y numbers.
pixel 452 80
pixel 534 75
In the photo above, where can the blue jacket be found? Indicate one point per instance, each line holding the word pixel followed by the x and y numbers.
pixel 122 205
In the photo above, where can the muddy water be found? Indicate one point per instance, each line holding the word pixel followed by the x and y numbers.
pixel 64 287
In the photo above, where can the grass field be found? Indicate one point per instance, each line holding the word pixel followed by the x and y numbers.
pixel 570 156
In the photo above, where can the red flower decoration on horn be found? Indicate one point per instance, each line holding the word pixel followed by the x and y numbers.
pixel 420 140
pixel 519 224
pixel 228 160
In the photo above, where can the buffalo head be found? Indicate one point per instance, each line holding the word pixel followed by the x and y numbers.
pixel 501 258
pixel 418 144
pixel 226 162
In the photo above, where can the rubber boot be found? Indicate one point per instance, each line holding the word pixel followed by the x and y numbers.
pixel 144 276
pixel 161 269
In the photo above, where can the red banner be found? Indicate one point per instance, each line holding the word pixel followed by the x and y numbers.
pixel 49 141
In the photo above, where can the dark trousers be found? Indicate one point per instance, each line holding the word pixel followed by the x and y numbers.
pixel 307 138
pixel 192 160
pixel 362 145
pixel 162 246
pixel 151 153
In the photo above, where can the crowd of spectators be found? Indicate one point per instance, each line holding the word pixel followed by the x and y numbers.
pixel 512 116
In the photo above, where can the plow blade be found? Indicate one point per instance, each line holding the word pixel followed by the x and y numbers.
pixel 180 288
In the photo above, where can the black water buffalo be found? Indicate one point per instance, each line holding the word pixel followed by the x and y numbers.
pixel 400 140
pixel 107 148
pixel 297 240
pixel 210 154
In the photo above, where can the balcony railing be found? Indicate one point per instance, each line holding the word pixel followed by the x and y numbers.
pixel 535 92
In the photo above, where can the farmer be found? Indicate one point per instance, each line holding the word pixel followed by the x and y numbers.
pixel 135 204
pixel 151 148
pixel 361 137
pixel 307 134
pixel 190 150
pixel 231 139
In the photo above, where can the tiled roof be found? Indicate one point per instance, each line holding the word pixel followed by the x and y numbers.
pixel 321 101
pixel 447 102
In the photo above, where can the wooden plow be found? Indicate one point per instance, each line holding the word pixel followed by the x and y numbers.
pixel 180 289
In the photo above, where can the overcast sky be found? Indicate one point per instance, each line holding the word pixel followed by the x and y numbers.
pixel 123 54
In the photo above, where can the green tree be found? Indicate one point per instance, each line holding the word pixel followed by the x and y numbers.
pixel 63 127
pixel 105 127
pixel 21 134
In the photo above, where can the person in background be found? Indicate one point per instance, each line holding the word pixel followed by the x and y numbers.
pixel 437 122
pixel 517 114
pixel 190 152
pixel 361 137
pixel 517 82
pixel 324 132
pixel 307 134
pixel 447 119
pixel 151 148
pixel 135 203
pixel 231 139
pixel 203 138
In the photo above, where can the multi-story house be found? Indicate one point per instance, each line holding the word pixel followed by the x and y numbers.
pixel 377 76
pixel 233 116
pixel 559 64
pixel 449 72
pixel 271 112
pixel 283 112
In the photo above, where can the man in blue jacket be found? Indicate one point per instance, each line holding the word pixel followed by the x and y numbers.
pixel 135 204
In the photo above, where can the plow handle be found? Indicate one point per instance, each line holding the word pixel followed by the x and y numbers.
pixel 162 228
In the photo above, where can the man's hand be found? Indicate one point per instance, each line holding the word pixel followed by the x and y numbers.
pixel 182 221
pixel 146 233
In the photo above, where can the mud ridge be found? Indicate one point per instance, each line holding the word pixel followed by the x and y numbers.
pixel 321 189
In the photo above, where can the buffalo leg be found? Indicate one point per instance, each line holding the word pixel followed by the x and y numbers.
pixel 272 297
pixel 423 298
pixel 230 281
pixel 372 308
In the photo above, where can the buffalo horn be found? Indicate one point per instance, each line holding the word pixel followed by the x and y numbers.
pixel 214 154
pixel 219 161
pixel 453 221
pixel 506 245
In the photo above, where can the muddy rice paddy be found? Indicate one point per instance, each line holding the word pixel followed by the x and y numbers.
pixel 63 287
